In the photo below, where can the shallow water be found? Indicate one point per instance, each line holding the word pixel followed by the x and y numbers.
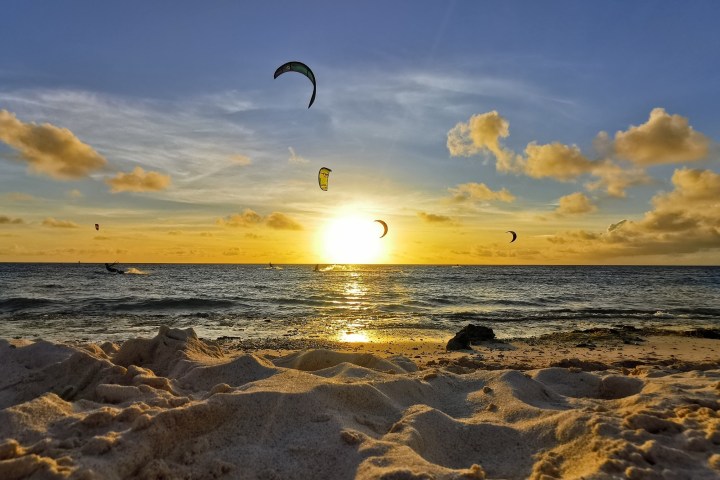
pixel 85 302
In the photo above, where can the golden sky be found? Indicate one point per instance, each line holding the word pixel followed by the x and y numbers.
pixel 185 149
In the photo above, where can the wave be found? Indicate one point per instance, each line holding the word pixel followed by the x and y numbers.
pixel 17 304
pixel 590 314
pixel 173 304
pixel 135 271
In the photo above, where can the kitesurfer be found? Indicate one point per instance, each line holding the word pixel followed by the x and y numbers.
pixel 111 268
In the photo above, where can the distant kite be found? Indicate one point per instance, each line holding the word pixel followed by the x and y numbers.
pixel 300 68
pixel 513 234
pixel 384 226
pixel 323 175
pixel 97 226
pixel 617 225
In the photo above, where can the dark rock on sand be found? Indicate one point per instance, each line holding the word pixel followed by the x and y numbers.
pixel 470 334
pixel 713 333
pixel 460 341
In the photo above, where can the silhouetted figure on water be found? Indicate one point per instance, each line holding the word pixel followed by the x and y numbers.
pixel 111 268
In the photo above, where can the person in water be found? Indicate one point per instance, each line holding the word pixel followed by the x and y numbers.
pixel 111 268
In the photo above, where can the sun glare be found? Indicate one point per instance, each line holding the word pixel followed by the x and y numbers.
pixel 352 240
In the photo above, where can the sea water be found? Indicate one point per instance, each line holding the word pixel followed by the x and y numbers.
pixel 339 302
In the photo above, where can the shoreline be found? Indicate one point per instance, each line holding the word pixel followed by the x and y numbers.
pixel 604 403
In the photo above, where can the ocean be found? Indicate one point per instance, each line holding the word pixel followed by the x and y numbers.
pixel 84 302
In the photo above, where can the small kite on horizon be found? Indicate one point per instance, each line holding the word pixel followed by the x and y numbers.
pixel 513 234
pixel 97 226
pixel 300 68
pixel 384 226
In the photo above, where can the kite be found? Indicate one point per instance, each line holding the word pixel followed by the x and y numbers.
pixel 97 226
pixel 384 226
pixel 513 234
pixel 300 68
pixel 323 175
pixel 617 225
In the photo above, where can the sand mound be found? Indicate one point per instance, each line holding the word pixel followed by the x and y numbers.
pixel 320 359
pixel 177 407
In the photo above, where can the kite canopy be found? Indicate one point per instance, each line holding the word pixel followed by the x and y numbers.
pixel 300 68
pixel 97 226
pixel 384 226
pixel 323 175
pixel 513 234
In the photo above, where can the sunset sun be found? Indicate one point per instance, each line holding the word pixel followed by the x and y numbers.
pixel 352 239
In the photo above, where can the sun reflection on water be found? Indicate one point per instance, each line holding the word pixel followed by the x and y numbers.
pixel 353 337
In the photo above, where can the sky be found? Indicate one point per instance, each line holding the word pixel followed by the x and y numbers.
pixel 588 128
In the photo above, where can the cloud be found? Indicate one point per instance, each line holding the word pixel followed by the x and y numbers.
pixel 614 179
pixel 175 232
pixel 53 223
pixel 482 133
pixel 250 218
pixel 496 251
pixel 566 162
pixel 5 220
pixel 138 181
pixel 247 218
pixel 232 251
pixel 19 197
pixel 479 192
pixel 280 221
pixel 296 159
pixel 433 218
pixel 75 194
pixel 575 204
pixel 243 160
pixel 684 220
pixel 50 150
pixel 555 160
pixel 663 138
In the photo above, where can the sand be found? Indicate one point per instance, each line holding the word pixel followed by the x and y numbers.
pixel 178 407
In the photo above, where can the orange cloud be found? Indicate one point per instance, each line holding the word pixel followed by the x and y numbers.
pixel 280 221
pixel 575 204
pixel 50 150
pixel 663 138
pixel 51 222
pixel 685 220
pixel 247 218
pixel 138 181
pixel 555 160
pixel 482 133
pixel 479 192
pixel 5 220
pixel 250 218
pixel 433 218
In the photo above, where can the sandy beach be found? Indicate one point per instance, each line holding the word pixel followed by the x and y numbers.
pixel 175 406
